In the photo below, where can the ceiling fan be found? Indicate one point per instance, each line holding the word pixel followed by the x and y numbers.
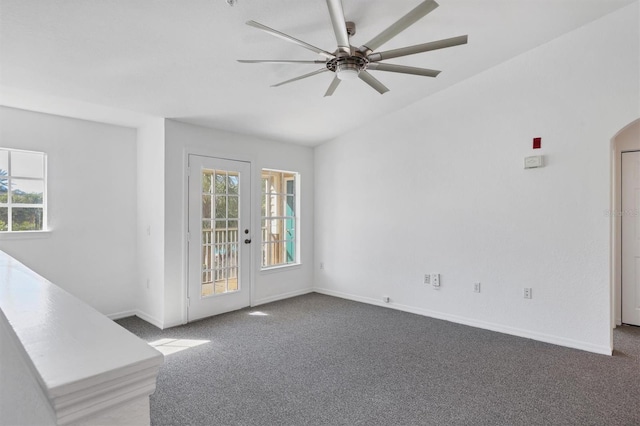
pixel 349 62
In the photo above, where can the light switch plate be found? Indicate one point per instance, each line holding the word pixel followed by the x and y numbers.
pixel 534 162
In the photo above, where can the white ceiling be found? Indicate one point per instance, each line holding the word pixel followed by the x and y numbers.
pixel 177 58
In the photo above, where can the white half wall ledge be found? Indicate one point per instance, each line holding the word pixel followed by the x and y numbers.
pixel 77 366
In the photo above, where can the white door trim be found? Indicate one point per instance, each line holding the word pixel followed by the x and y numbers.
pixel 630 311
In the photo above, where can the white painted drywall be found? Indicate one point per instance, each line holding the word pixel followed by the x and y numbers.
pixel 22 400
pixel 91 250
pixel 627 140
pixel 440 187
pixel 181 139
pixel 150 222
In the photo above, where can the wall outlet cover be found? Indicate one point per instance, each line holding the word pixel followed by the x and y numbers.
pixel 435 280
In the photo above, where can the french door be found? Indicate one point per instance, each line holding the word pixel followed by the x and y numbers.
pixel 219 254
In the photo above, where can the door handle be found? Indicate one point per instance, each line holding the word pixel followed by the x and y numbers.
pixel 247 241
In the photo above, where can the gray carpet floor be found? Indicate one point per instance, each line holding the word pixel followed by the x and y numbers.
pixel 319 360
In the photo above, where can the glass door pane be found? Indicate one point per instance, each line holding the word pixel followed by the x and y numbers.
pixel 220 236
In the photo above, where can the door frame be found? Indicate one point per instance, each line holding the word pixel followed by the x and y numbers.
pixel 618 146
pixel 620 219
pixel 203 152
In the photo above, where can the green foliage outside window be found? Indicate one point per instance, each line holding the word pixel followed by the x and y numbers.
pixel 22 185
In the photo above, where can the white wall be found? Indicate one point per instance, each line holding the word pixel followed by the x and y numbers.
pixel 181 139
pixel 440 187
pixel 150 222
pixel 91 251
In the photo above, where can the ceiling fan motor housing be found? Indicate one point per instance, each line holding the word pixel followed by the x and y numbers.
pixel 347 65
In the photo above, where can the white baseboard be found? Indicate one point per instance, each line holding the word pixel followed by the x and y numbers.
pixel 282 296
pixel 151 320
pixel 120 315
pixel 547 338
pixel 172 324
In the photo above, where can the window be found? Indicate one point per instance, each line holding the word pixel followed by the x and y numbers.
pixel 279 218
pixel 22 190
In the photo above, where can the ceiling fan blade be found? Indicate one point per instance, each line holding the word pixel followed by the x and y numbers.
pixel 377 66
pixel 400 25
pixel 373 82
pixel 277 61
pixel 286 37
pixel 333 86
pixel 336 12
pixel 418 48
pixel 301 77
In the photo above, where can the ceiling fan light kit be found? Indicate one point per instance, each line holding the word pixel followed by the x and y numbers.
pixel 349 63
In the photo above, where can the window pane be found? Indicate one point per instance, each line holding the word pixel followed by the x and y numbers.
pixel 4 180
pixel 26 219
pixel 27 164
pixel 233 207
pixel 265 255
pixel 221 206
pixel 290 209
pixel 4 222
pixel 275 205
pixel 290 251
pixel 221 183
pixel 26 191
pixel 206 182
pixel 233 224
pixel 4 161
pixel 290 185
pixel 276 229
pixel 290 229
pixel 206 207
pixel 233 184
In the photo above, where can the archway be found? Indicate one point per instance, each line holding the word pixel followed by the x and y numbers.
pixel 626 140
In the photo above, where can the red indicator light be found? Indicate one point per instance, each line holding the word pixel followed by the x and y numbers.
pixel 537 143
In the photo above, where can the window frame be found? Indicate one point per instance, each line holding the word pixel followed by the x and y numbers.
pixel 10 205
pixel 265 217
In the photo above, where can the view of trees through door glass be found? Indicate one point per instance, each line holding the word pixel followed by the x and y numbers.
pixel 219 232
pixel 279 227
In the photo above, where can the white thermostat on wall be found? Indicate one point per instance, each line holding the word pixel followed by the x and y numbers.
pixel 534 162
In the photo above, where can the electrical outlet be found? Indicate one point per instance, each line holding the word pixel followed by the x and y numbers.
pixel 435 280
pixel 528 293
pixel 321 265
pixel 476 287
pixel 427 279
